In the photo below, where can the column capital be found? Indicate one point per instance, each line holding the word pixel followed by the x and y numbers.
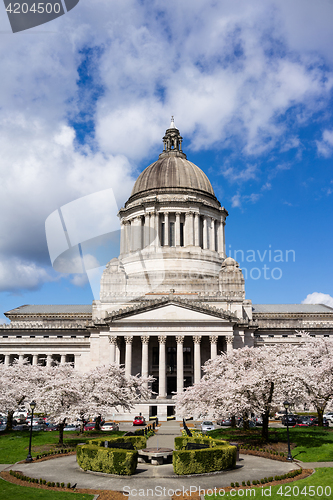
pixel 113 339
pixel 180 339
pixel 197 339
pixel 145 339
pixel 162 339
pixel 229 339
pixel 213 339
pixel 128 339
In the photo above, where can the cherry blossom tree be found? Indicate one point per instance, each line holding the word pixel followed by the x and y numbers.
pixel 243 381
pixel 314 371
pixel 19 385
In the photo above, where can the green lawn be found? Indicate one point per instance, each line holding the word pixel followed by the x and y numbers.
pixel 312 444
pixel 10 491
pixel 14 445
pixel 319 486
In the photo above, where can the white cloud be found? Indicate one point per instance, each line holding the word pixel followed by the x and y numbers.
pixel 16 274
pixel 79 280
pixel 325 146
pixel 228 71
pixel 318 298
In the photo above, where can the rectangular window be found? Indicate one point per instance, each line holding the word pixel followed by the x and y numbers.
pixel 155 356
pixel 172 234
pixel 181 234
pixel 162 234
pixel 187 356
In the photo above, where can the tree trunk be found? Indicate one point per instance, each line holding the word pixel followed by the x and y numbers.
pixel 265 421
pixel 233 422
pixel 246 425
pixel 98 423
pixel 9 424
pixel 265 415
pixel 61 433
pixel 320 413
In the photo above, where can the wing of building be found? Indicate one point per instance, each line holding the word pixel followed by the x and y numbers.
pixel 170 301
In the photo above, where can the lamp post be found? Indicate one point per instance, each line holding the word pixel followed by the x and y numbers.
pixel 32 406
pixel 286 405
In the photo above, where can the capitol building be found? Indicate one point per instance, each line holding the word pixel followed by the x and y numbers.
pixel 170 301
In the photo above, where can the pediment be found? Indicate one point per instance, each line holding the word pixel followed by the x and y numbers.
pixel 171 311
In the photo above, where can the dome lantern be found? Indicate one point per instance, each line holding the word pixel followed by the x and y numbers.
pixel 172 142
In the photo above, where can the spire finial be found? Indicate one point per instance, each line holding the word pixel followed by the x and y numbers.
pixel 172 142
pixel 172 122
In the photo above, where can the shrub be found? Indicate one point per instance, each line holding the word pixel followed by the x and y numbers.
pixel 138 442
pixel 62 485
pixel 108 460
pixel 232 485
pixel 236 484
pixel 219 456
pixel 243 483
pixel 58 485
pixel 68 485
pixel 248 483
pixel 48 483
pixel 262 481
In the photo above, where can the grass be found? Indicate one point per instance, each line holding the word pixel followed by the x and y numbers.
pixel 310 444
pixel 14 445
pixel 9 491
pixel 297 489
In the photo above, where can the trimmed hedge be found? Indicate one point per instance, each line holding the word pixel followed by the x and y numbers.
pixel 138 442
pixel 95 457
pixel 219 456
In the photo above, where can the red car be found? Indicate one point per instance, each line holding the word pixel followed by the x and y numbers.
pixel 90 426
pixel 139 420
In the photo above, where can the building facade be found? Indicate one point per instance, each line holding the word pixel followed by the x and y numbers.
pixel 170 301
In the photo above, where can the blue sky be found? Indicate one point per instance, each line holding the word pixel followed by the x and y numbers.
pixel 85 101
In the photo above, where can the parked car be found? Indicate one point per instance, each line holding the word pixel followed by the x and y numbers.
pixel 207 425
pixel 329 416
pixel 257 420
pixel 39 427
pixel 292 420
pixel 110 426
pixel 303 421
pixel 52 427
pixel 251 424
pixel 279 414
pixel 315 422
pixel 225 422
pixel 71 427
pixel 21 427
pixel 2 427
pixel 140 420
pixel 90 426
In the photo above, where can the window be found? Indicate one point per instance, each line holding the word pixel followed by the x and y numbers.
pixel 187 356
pixel 32 336
pixel 162 234
pixel 46 336
pixel 181 234
pixel 155 355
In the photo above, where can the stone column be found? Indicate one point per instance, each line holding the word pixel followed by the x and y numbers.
pixel 7 359
pixel 21 357
pixel 188 229
pixel 197 358
pixel 166 229
pixel 152 228
pixel 63 359
pixel 162 368
pixel 146 231
pixel 122 238
pixel 127 231
pixel 144 357
pixel 113 342
pixel 48 360
pixel 212 235
pixel 117 354
pixel 196 230
pixel 223 236
pixel 177 229
pixel 230 342
pixel 213 346
pixel 180 363
pixel 128 355
pixel 220 244
pixel 205 234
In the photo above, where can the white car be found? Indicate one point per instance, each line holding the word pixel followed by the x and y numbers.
pixel 110 426
pixel 207 425
pixel 329 416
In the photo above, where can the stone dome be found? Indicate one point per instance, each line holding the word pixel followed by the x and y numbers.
pixel 172 172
